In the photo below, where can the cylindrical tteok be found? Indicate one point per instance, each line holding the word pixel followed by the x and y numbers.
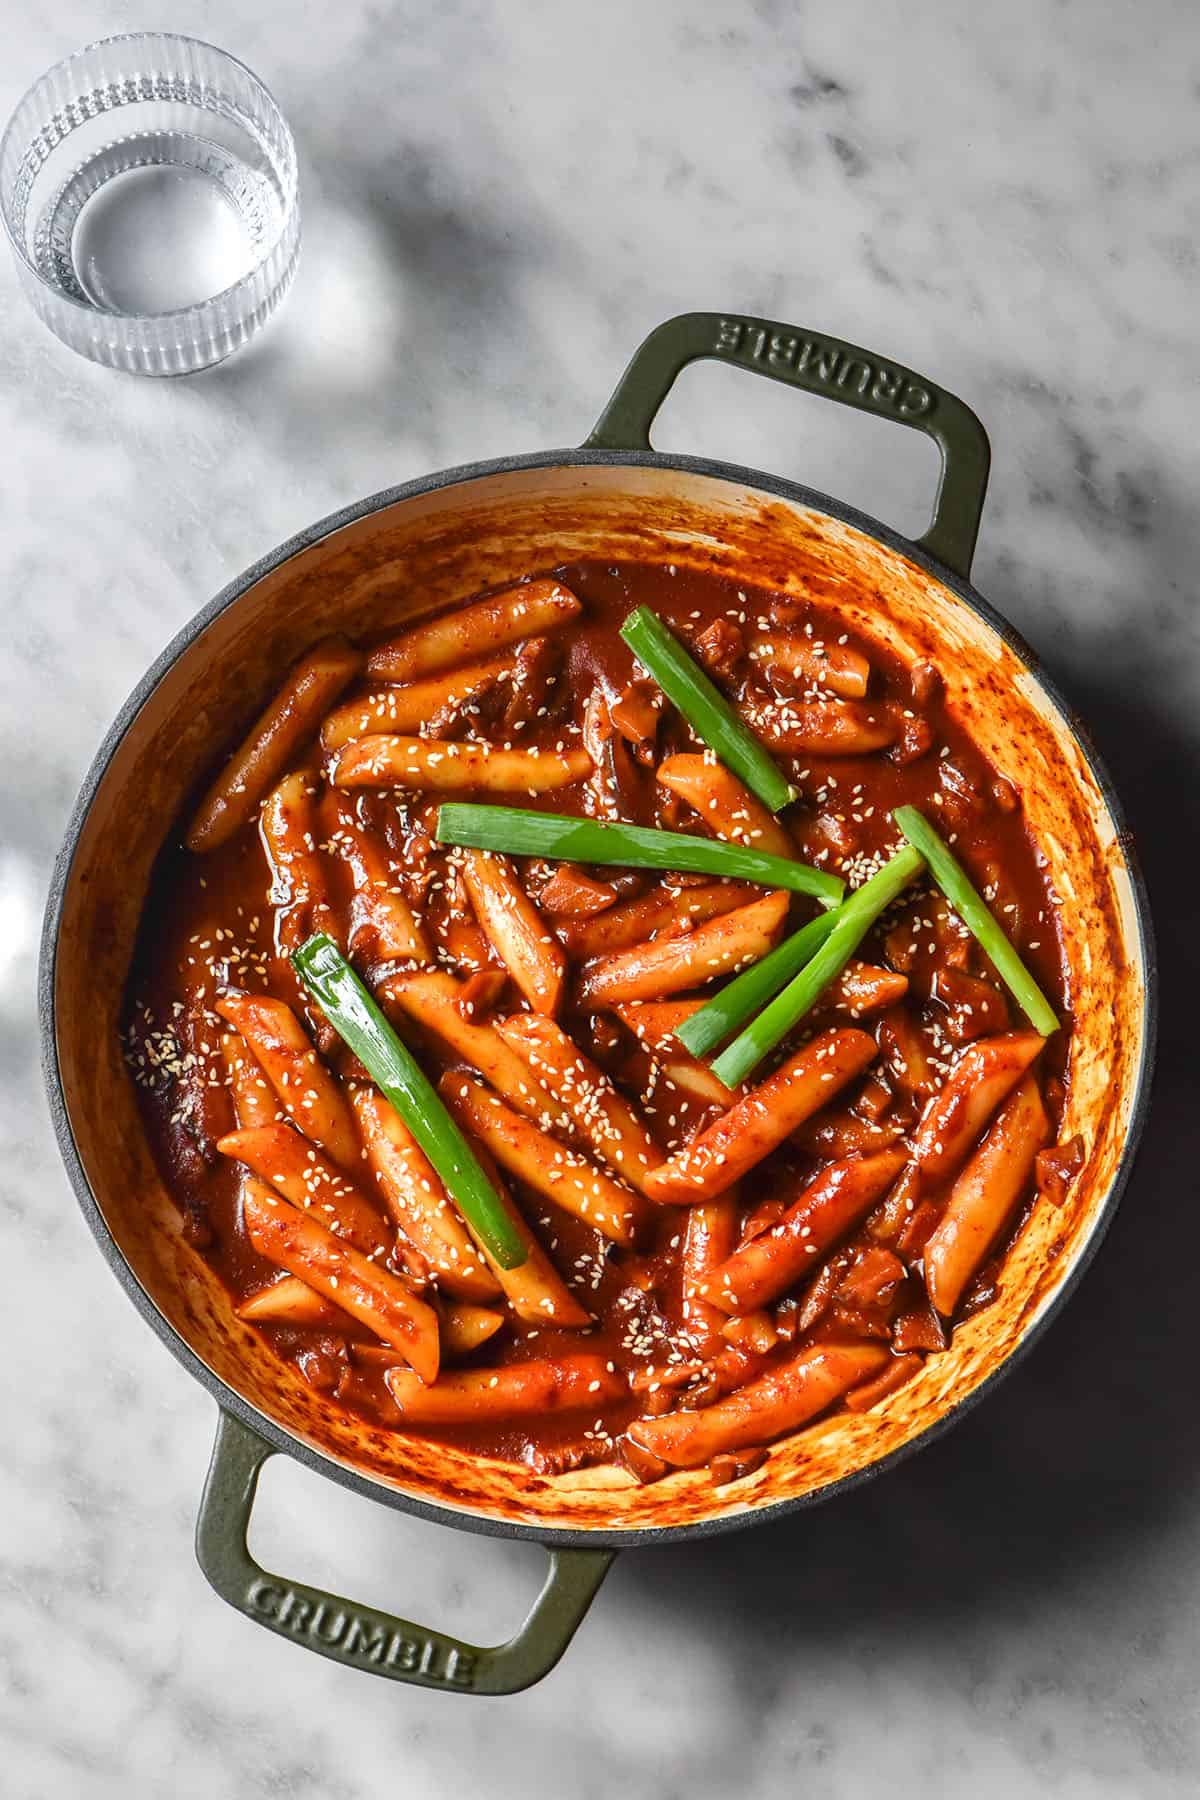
pixel 149 191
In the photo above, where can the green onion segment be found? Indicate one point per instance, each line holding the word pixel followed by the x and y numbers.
pixel 972 909
pixel 705 707
pixel 519 831
pixel 853 920
pixel 741 998
pixel 358 1021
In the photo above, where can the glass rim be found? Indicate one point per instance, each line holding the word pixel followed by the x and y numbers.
pixel 290 180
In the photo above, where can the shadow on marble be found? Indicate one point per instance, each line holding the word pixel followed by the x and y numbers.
pixel 406 278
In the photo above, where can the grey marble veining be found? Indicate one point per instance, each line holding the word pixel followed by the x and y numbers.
pixel 500 200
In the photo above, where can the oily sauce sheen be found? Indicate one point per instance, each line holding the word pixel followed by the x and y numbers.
pixel 213 923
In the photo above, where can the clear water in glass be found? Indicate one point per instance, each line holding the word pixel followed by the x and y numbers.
pixel 149 188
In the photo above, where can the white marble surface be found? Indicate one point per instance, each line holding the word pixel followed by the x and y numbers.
pixel 500 200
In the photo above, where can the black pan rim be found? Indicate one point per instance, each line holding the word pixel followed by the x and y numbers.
pixel 282 1441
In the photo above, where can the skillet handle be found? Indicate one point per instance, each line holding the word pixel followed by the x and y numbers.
pixel 358 1636
pixel 821 365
